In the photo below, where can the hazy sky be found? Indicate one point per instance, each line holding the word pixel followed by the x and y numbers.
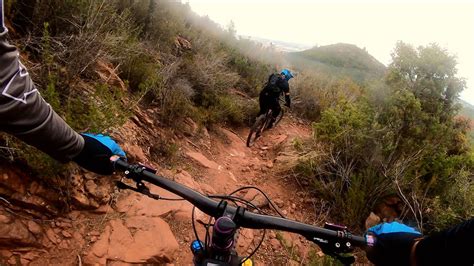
pixel 375 25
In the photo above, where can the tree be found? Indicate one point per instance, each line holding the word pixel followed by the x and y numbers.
pixel 231 29
pixel 429 72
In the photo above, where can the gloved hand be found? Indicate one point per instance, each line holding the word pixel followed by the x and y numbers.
pixel 287 101
pixel 393 243
pixel 95 156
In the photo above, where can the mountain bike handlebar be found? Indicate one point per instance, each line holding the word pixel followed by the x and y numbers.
pixel 337 237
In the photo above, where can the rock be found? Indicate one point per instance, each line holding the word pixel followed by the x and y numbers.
pixel 308 201
pixel 34 228
pixel 107 73
pixel 94 233
pixel 17 234
pixel 52 236
pixel 100 248
pixel 63 245
pixel 246 169
pixel 372 220
pixel 13 261
pixel 76 180
pixel 293 263
pixel 276 245
pixel 66 234
pixel 246 238
pixel 279 203
pixel 78 239
pixel 269 165
pixel 74 215
pixel 4 219
pixel 272 234
pixel 232 176
pixel 256 198
pixel 284 212
pixel 30 256
pixel 90 186
pixel 151 243
pixel 103 209
pixel 181 44
pixel 91 176
pixel 208 189
pixel 100 193
pixel 63 224
pixel 136 153
pixel 190 127
pixel 185 178
pixel 80 200
pixel 202 160
pixel 293 206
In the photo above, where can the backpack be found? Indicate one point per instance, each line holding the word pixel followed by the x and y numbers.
pixel 271 87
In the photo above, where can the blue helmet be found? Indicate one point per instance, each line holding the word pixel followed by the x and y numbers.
pixel 287 74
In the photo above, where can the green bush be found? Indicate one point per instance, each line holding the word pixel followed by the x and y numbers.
pixel 409 144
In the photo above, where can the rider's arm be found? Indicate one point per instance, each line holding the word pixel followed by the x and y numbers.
pixel 24 113
pixel 398 244
pixel 285 87
pixel 453 246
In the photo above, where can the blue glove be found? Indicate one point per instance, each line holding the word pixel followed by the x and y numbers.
pixel 392 243
pixel 95 156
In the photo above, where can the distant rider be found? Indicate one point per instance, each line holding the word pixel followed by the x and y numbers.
pixel 269 96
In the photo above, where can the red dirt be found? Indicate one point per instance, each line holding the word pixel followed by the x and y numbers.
pixel 133 228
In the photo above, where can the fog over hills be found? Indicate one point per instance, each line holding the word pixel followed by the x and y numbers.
pixel 279 45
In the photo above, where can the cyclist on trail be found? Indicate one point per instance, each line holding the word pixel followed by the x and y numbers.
pixel 25 114
pixel 269 96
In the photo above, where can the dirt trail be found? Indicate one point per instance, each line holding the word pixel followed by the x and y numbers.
pixel 133 228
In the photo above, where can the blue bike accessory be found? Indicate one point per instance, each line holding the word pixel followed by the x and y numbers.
pixel 95 156
pixel 197 247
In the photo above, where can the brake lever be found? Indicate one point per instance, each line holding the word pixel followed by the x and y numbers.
pixel 141 188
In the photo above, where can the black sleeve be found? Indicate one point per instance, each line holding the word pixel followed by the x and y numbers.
pixel 453 246
pixel 284 86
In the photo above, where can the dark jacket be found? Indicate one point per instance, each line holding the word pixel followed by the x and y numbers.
pixel 24 113
pixel 275 90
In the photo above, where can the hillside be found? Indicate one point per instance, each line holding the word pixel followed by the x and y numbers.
pixel 467 109
pixel 340 60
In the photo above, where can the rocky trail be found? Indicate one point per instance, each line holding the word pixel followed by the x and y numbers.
pixel 124 227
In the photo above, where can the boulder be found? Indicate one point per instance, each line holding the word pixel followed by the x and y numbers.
pixel 151 242
pixel 202 160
